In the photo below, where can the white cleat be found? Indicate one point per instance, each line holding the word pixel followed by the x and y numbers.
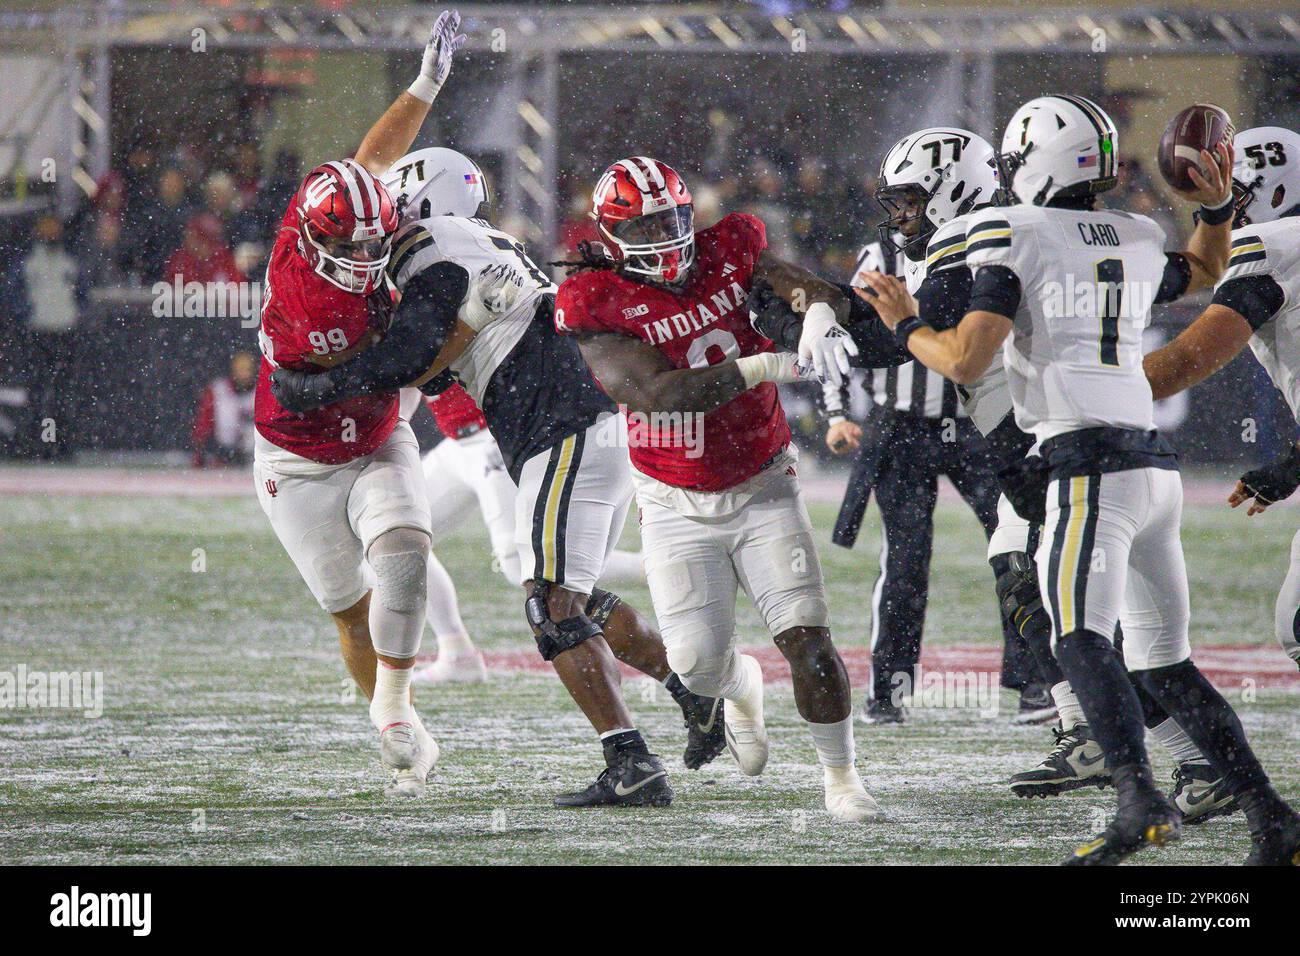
pixel 412 782
pixel 399 746
pixel 847 799
pixel 743 720
pixel 453 669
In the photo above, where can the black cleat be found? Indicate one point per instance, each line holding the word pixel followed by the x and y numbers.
pixel 1152 823
pixel 1200 794
pixel 1036 704
pixel 884 712
pixel 1278 845
pixel 631 780
pixel 705 733
pixel 1076 761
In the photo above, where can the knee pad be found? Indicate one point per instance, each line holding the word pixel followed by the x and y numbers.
pixel 1018 594
pixel 400 559
pixel 703 674
pixel 601 605
pixel 555 637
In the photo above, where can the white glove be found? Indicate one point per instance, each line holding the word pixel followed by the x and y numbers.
pixel 492 293
pixel 825 344
pixel 443 43
pixel 773 367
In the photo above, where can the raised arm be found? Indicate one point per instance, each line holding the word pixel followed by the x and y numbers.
pixel 392 135
pixel 1207 250
pixel 637 375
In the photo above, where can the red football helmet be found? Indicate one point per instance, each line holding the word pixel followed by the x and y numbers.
pixel 346 222
pixel 644 213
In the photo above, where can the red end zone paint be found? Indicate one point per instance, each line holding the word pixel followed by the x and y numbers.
pixel 1228 667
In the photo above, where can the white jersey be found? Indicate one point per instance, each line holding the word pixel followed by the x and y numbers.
pixel 473 245
pixel 1273 249
pixel 988 399
pixel 1087 282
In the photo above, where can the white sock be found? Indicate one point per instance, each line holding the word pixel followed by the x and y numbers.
pixel 617 730
pixel 1067 705
pixel 1175 740
pixel 834 742
pixel 737 683
pixel 392 700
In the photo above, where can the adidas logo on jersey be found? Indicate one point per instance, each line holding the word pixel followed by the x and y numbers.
pixel 728 269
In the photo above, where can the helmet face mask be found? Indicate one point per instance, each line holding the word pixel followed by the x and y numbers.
pixel 931 177
pixel 346 223
pixel 646 221
pixel 1266 175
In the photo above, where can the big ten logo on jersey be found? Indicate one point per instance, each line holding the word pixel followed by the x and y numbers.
pixel 701 314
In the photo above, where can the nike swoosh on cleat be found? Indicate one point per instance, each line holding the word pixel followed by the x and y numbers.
pixel 713 717
pixel 1195 801
pixel 1083 759
pixel 623 791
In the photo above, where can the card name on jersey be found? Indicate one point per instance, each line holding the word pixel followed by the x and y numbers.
pixel 1098 234
pixel 698 316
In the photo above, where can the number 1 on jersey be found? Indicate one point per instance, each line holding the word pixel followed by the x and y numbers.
pixel 1110 297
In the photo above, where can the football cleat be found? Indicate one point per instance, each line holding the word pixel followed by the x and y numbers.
pixel 1076 761
pixel 706 735
pixel 847 799
pixel 1036 705
pixel 883 712
pixel 1279 845
pixel 1200 793
pixel 1151 823
pixel 412 782
pixel 453 669
pixel 399 746
pixel 632 780
pixel 743 722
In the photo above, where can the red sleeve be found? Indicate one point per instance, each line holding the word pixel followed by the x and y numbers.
pixel 748 232
pixel 203 426
pixel 578 305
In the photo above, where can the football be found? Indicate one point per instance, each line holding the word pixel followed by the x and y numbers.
pixel 1200 126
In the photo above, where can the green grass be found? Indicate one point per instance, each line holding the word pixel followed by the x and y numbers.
pixel 230 734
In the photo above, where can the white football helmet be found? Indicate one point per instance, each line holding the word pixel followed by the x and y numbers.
pixel 931 177
pixel 1057 147
pixel 438 182
pixel 1266 174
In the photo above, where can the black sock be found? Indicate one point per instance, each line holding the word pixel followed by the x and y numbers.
pixel 1153 715
pixel 1214 727
pixel 1109 702
pixel 681 693
pixel 625 741
pixel 1134 785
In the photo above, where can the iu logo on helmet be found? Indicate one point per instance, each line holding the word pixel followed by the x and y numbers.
pixel 270 487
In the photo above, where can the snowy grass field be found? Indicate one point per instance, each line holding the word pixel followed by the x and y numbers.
pixel 230 734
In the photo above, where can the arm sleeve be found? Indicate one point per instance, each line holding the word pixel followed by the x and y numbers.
pixel 1177 277
pixel 944 297
pixel 996 289
pixel 1256 298
pixel 426 316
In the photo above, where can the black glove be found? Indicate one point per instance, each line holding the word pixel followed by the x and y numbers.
pixel 301 392
pixel 771 317
pixel 1276 481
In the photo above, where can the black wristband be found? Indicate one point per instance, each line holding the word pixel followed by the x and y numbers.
pixel 903 331
pixel 1219 214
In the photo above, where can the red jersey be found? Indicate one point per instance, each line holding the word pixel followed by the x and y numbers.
pixel 454 410
pixel 303 316
pixel 704 323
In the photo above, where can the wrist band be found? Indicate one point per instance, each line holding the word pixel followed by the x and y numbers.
pixel 904 329
pixel 1218 215
pixel 424 89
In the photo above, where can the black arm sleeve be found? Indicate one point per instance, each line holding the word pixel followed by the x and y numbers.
pixel 1256 298
pixel 772 317
pixel 1177 277
pixel 943 298
pixel 996 289
pixel 424 319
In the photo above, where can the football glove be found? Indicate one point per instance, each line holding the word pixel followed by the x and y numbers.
pixel 1275 481
pixel 443 43
pixel 301 392
pixel 492 293
pixel 825 345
